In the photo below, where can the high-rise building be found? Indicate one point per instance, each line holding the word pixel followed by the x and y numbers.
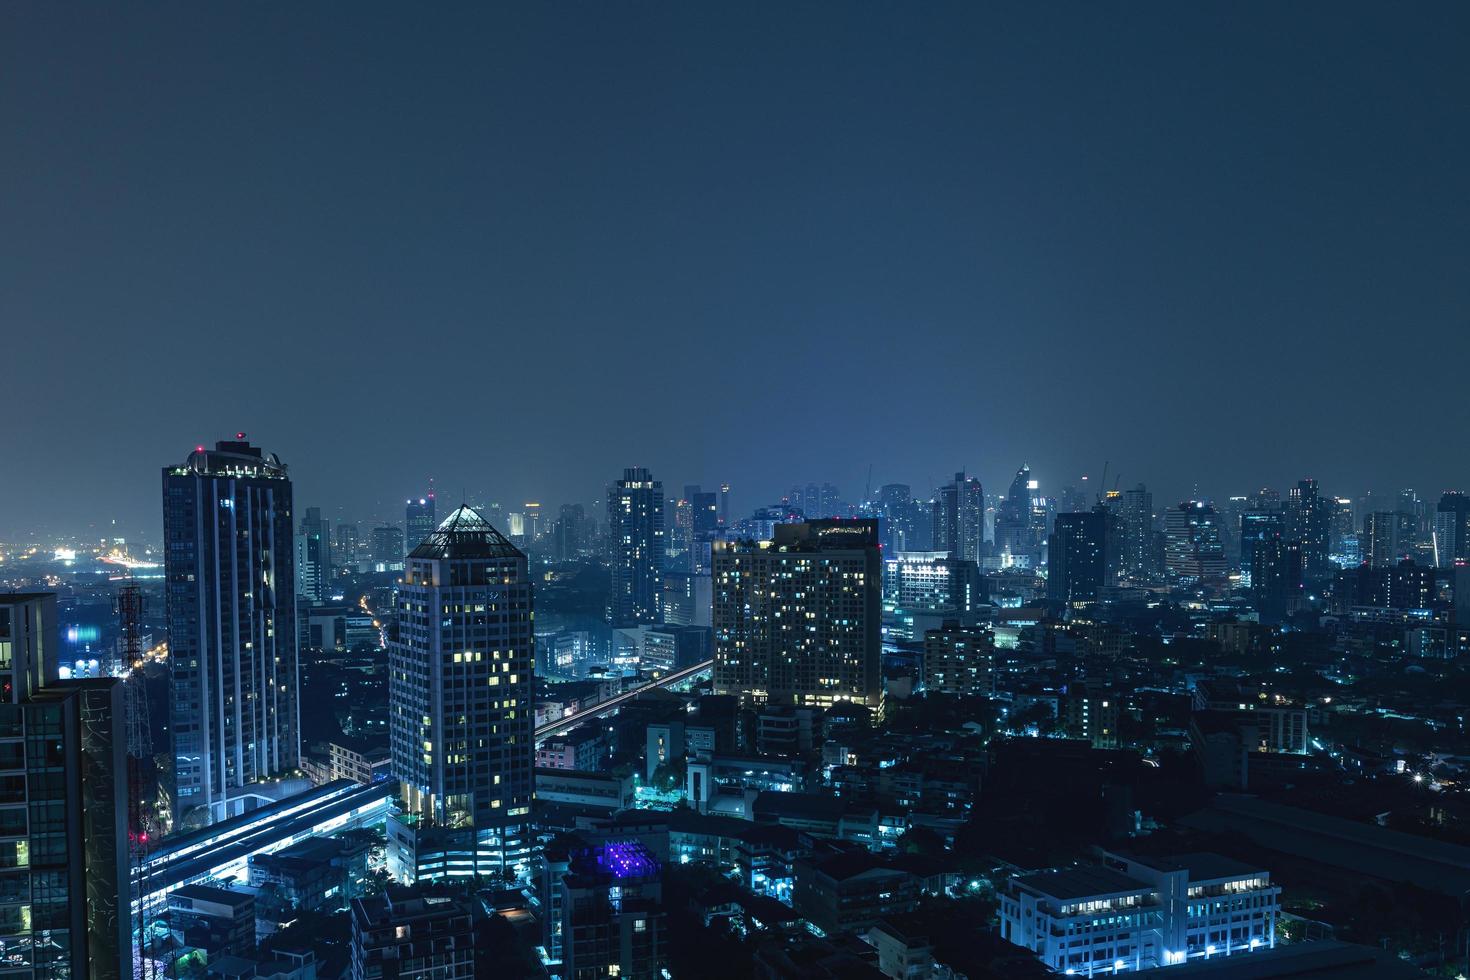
pixel 816 501
pixel 1193 549
pixel 797 618
pixel 345 547
pixel 1258 527
pixel 1309 521
pixel 896 506
pixel 1343 544
pixel 460 688
pixel 959 659
pixel 1387 537
pixel 959 518
pixel 1136 517
pixel 570 534
pixel 1452 529
pixel 635 534
pixel 1277 569
pixel 65 908
pixel 1077 557
pixel 418 520
pixel 724 505
pixel 387 545
pixel 313 556
pixel 231 609
pixel 1020 522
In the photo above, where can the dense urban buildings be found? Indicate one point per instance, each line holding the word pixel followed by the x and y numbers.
pixel 231 601
pixel 1184 694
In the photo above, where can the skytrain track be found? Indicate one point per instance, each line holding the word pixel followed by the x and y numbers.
pixel 611 704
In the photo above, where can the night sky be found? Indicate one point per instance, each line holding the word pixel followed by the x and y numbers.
pixel 519 250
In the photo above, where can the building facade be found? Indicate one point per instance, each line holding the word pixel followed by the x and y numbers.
pixel 1077 557
pixel 959 660
pixel 1133 914
pixel 64 896
pixel 797 619
pixel 231 608
pixel 636 546
pixel 459 689
pixel 959 518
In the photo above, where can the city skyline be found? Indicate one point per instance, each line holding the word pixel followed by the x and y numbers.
pixel 1087 237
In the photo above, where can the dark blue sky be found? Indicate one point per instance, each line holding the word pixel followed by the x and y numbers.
pixel 520 249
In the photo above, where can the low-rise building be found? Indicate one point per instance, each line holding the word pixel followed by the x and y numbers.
pixel 1133 913
pixel 406 936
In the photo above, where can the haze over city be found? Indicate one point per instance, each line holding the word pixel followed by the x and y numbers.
pixel 518 249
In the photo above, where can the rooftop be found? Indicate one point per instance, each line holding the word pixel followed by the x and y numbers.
pixel 1077 883
pixel 465 534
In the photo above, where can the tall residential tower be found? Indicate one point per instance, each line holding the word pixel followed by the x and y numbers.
pixel 635 536
pixel 231 606
pixel 459 686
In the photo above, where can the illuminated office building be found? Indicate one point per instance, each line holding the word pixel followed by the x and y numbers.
pixel 1077 558
pixel 635 534
pixel 459 688
pixel 1020 522
pixel 1309 520
pixel 64 908
pixel 931 581
pixel 1194 551
pixel 418 520
pixel 313 556
pixel 1452 529
pixel 1136 521
pixel 1257 527
pixel 1133 913
pixel 797 618
pixel 231 607
pixel 959 518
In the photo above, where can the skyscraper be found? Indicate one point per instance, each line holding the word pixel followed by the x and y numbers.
pixel 1193 549
pixel 1309 521
pixel 1276 577
pixel 1387 537
pixel 418 520
pixel 1020 521
pixel 1077 557
pixel 570 533
pixel 65 848
pixel 1136 515
pixel 797 619
pixel 635 534
pixel 387 545
pixel 459 688
pixel 1451 529
pixel 1257 527
pixel 231 609
pixel 313 556
pixel 959 518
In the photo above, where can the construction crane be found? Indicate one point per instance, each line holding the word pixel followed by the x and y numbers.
pixel 129 609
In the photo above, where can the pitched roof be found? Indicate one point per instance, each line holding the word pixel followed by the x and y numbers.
pixel 465 534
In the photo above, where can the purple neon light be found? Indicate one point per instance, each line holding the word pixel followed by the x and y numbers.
pixel 626 859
